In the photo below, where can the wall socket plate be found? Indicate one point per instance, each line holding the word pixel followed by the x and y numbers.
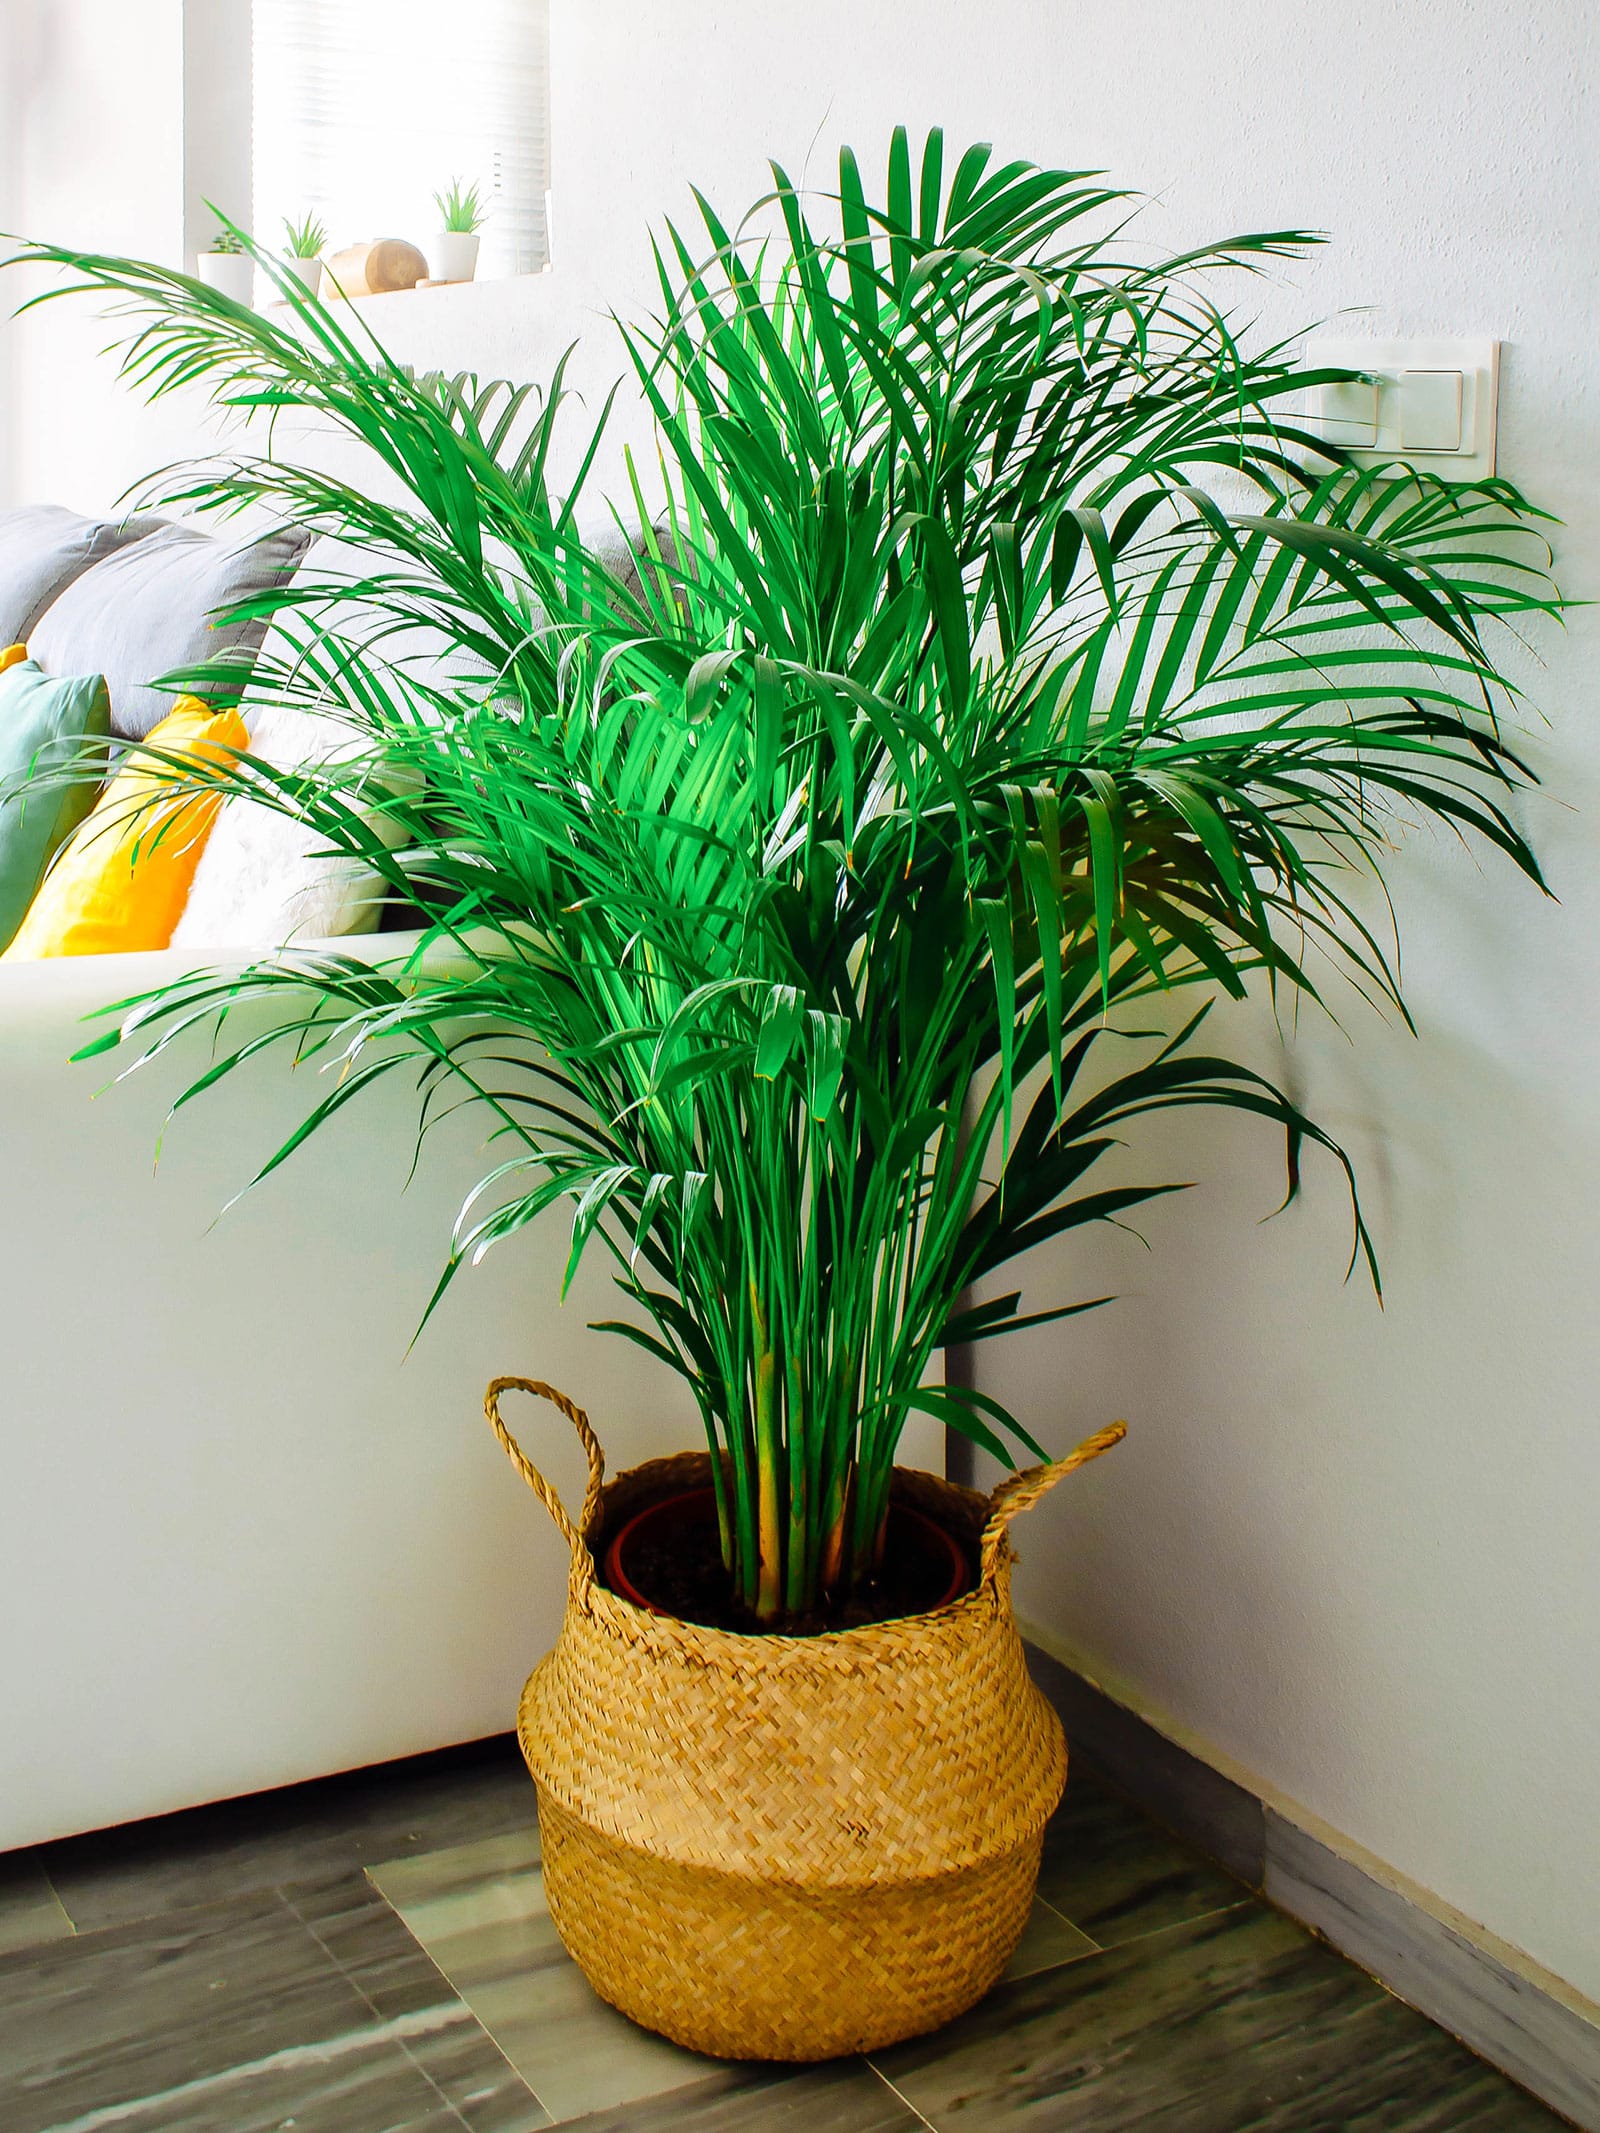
pixel 1432 402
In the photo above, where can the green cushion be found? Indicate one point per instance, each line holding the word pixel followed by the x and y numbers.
pixel 45 722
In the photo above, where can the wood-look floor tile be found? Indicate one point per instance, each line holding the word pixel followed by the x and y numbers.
pixel 464 1870
pixel 300 1833
pixel 845 2096
pixel 1479 1998
pixel 476 2079
pixel 225 2019
pixel 1117 1875
pixel 30 1911
pixel 1199 2011
pixel 1047 1939
pixel 1236 2022
pixel 362 1934
pixel 480 1914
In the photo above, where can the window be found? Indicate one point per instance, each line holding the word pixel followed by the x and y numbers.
pixel 363 109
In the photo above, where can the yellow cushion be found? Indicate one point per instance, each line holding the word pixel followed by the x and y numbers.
pixel 10 654
pixel 122 878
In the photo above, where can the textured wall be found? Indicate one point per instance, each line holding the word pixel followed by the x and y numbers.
pixel 1353 1550
pixel 93 155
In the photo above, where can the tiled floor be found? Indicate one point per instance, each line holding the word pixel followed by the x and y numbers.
pixel 373 1955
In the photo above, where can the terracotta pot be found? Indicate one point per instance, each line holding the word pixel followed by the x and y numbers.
pixel 690 1504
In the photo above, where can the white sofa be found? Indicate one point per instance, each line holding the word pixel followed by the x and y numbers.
pixel 243 1539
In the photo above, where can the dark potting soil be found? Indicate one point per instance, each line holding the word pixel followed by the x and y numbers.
pixel 675 1562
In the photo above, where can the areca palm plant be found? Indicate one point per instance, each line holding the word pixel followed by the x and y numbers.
pixel 1003 656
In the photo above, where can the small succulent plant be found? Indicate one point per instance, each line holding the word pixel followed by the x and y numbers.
pixel 307 238
pixel 461 210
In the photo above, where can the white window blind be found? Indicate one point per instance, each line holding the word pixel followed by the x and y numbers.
pixel 363 109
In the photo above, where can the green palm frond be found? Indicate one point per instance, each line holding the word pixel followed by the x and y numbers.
pixel 1004 654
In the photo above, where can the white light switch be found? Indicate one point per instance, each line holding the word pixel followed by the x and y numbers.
pixel 1432 402
pixel 1430 411
pixel 1350 413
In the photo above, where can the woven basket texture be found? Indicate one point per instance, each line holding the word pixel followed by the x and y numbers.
pixel 789 1847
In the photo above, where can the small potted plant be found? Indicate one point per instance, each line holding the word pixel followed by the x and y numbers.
pixel 226 266
pixel 453 248
pixel 306 241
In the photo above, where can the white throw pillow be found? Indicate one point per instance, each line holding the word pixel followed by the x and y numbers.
pixel 265 880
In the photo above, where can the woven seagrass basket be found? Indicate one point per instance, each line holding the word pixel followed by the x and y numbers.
pixel 772 1847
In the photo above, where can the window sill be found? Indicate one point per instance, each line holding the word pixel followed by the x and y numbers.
pixel 421 288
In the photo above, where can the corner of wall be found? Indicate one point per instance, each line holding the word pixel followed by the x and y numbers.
pixel 217 112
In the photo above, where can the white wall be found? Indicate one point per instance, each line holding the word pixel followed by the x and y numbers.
pixel 94 157
pixel 1351 1550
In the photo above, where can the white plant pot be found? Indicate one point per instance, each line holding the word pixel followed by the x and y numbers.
pixel 307 272
pixel 230 274
pixel 453 255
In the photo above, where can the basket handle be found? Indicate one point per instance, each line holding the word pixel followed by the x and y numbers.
pixel 1019 1491
pixel 575 1536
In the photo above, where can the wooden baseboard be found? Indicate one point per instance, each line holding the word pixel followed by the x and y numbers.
pixel 1499 2002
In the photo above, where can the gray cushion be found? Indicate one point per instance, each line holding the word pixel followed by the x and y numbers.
pixel 42 549
pixel 145 612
